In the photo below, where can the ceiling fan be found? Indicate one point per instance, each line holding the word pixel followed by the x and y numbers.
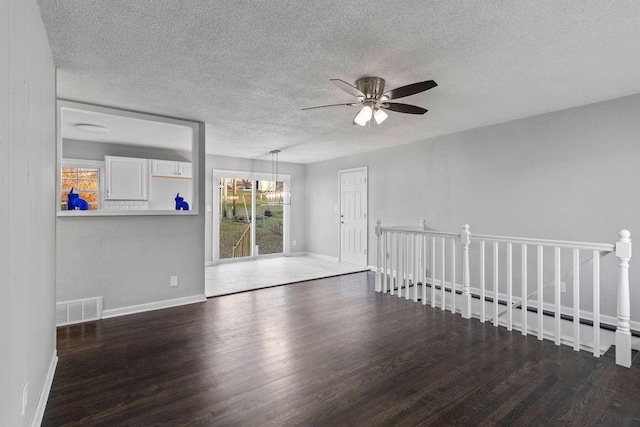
pixel 369 93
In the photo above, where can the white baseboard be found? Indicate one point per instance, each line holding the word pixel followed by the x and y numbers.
pixel 294 254
pixel 320 256
pixel 157 305
pixel 44 393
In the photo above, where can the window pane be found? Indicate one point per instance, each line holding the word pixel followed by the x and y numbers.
pixel 69 173
pixel 269 219
pixel 68 184
pixel 235 218
pixel 88 185
pixel 87 174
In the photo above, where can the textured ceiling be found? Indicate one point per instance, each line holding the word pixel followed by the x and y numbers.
pixel 246 68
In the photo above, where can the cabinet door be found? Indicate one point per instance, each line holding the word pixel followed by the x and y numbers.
pixel 164 168
pixel 127 178
pixel 185 170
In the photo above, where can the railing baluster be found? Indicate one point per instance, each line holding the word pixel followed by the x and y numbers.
pixel 392 263
pixel 399 264
pixel 495 283
pixel 509 287
pixel 403 264
pixel 423 268
pixel 556 263
pixel 409 266
pixel 523 305
pixel 433 272
pixel 483 314
pixel 378 259
pixel 596 303
pixel 419 265
pixel 453 275
pixel 410 278
pixel 576 299
pixel 415 260
pixel 540 292
pixel 442 283
pixel 385 273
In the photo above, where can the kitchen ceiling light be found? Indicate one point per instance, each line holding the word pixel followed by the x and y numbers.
pixel 92 128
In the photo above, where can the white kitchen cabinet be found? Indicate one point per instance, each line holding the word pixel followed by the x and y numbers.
pixel 171 169
pixel 127 178
pixel 185 170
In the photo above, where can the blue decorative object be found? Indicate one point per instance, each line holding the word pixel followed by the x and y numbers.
pixel 74 202
pixel 181 204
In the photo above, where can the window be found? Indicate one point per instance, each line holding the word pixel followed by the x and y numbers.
pixel 83 176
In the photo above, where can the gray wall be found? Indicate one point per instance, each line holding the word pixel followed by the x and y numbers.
pixel 565 175
pixel 297 173
pixel 128 260
pixel 27 211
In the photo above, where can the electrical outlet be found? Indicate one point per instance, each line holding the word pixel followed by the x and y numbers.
pixel 293 243
pixel 563 286
pixel 25 396
pixel 174 281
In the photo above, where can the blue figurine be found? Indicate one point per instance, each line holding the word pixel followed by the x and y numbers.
pixel 181 204
pixel 74 202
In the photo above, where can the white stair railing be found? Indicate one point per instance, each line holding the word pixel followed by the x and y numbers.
pixel 421 264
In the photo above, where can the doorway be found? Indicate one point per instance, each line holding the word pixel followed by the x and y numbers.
pixel 353 216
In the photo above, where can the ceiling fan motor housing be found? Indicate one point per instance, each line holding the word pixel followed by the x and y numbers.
pixel 372 87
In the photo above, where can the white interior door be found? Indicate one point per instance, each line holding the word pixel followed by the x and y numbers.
pixel 353 216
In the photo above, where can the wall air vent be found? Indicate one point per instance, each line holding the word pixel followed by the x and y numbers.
pixel 78 311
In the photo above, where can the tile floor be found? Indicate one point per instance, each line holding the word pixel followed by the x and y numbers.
pixel 223 279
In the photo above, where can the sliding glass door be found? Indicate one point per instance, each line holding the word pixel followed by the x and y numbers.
pixel 250 222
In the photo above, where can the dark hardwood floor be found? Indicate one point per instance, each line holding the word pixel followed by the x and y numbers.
pixel 327 352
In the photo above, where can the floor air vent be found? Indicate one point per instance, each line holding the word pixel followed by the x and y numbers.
pixel 78 311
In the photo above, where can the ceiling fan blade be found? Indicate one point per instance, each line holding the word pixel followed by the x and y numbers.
pixel 412 89
pixel 350 104
pixel 404 108
pixel 351 90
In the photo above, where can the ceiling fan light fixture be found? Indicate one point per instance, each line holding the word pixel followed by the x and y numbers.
pixel 364 116
pixel 380 116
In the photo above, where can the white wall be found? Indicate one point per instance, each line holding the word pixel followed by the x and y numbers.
pixel 27 211
pixel 565 175
pixel 297 211
pixel 128 260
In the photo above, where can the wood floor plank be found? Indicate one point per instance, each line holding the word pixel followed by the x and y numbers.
pixel 326 352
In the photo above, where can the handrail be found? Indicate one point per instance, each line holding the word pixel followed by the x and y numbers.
pixel 604 247
pixel 404 253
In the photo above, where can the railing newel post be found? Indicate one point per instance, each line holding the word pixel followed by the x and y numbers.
pixel 623 330
pixel 465 238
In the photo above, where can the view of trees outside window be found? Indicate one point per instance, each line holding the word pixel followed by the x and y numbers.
pixel 84 181
pixel 236 222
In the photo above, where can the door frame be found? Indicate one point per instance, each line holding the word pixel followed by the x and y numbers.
pixel 340 172
pixel 218 174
